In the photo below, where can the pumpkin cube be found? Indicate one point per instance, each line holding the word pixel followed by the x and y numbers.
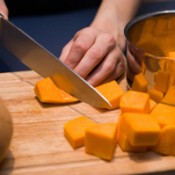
pixel 166 142
pixel 140 129
pixel 171 68
pixel 162 79
pixel 126 146
pixel 74 130
pixel 164 114
pixel 112 92
pixel 140 83
pixel 134 101
pixel 100 140
pixel 171 54
pixel 152 104
pixel 169 96
pixel 155 94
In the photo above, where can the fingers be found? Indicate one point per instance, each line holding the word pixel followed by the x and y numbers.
pixel 118 72
pixel 65 51
pixel 78 47
pixel 95 55
pixel 112 67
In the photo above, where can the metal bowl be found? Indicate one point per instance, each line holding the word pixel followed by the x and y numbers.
pixel 151 53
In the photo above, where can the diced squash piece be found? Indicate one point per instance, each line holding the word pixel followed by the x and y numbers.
pixel 169 97
pixel 126 146
pixel 152 104
pixel 140 83
pixel 134 101
pixel 171 68
pixel 48 92
pixel 163 64
pixel 100 140
pixel 172 73
pixel 155 94
pixel 162 79
pixel 112 92
pixel 140 129
pixel 74 130
pixel 166 142
pixel 164 114
pixel 171 54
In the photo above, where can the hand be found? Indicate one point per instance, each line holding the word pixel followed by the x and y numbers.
pixel 94 55
pixel 3 9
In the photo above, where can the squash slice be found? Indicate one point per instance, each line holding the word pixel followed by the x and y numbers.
pixel 48 92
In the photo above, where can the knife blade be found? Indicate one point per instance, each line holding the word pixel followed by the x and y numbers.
pixel 39 59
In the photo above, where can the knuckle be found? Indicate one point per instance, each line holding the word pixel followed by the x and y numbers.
pixel 109 38
pixel 108 68
pixel 88 30
pixel 80 46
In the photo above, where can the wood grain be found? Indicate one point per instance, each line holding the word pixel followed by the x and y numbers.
pixel 39 147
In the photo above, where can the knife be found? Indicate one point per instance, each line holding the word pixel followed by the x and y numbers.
pixel 39 59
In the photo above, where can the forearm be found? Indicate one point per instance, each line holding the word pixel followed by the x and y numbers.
pixel 113 15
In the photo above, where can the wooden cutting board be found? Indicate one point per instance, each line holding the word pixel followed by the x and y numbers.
pixel 39 147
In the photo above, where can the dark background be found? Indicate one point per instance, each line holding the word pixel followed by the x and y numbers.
pixel 52 23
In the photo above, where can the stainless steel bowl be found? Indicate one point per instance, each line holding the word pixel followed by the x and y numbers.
pixel 151 54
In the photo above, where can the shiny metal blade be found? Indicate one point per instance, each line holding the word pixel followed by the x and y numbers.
pixel 33 55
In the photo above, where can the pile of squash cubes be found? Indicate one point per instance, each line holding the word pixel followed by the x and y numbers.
pixel 144 124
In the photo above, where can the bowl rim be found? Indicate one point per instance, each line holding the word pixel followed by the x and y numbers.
pixel 143 17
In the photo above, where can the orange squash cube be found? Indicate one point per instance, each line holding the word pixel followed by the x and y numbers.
pixel 134 101
pixel 112 92
pixel 74 130
pixel 166 142
pixel 140 129
pixel 152 104
pixel 171 54
pixel 155 94
pixel 140 83
pixel 100 140
pixel 126 146
pixel 164 114
pixel 169 97
pixel 162 79
pixel 170 67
